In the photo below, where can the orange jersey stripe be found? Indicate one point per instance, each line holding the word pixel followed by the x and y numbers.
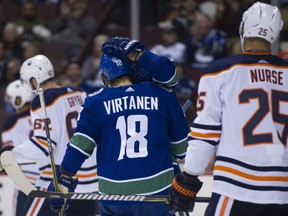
pixel 36 204
pixel 208 135
pixel 223 207
pixel 249 176
pixel 31 178
pixel 77 175
pixel 237 65
pixel 42 142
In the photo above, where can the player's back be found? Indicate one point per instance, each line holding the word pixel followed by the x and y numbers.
pixel 133 127
pixel 62 106
pixel 252 157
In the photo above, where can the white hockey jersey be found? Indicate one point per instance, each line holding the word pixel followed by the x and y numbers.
pixel 242 114
pixel 16 130
pixel 62 106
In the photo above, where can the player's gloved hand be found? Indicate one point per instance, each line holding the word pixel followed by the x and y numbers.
pixel 122 47
pixel 6 148
pixel 66 184
pixel 182 193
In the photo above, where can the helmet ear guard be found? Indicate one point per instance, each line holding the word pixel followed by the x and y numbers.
pixel 261 21
pixel 18 95
pixel 39 68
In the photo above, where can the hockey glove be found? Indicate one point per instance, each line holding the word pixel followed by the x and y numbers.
pixel 6 148
pixel 122 47
pixel 182 193
pixel 66 184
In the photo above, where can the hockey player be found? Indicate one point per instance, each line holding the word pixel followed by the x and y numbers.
pixel 136 129
pixel 63 105
pixel 242 116
pixel 17 129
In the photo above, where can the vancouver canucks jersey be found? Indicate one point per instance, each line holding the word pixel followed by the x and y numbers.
pixel 62 106
pixel 137 129
pixel 16 130
pixel 243 110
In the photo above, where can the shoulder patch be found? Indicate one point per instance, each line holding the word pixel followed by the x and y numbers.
pixel 96 92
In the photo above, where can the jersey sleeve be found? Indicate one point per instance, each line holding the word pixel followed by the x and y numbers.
pixel 178 128
pixel 206 129
pixel 158 69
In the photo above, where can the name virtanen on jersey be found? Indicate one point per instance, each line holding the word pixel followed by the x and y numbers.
pixel 131 103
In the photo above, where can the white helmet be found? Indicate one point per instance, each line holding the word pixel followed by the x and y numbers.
pixel 38 67
pixel 18 94
pixel 262 21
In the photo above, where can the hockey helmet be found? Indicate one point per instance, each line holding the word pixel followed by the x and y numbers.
pixel 262 21
pixel 113 67
pixel 38 67
pixel 18 94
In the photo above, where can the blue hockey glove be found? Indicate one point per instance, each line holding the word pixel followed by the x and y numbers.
pixel 65 184
pixel 183 192
pixel 122 47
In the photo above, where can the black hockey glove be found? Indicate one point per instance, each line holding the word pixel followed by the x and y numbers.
pixel 122 47
pixel 65 184
pixel 183 192
pixel 6 148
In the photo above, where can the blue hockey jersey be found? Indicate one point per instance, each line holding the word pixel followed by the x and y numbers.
pixel 137 129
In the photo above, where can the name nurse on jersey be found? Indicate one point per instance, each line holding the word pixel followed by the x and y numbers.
pixel 266 75
pixel 131 103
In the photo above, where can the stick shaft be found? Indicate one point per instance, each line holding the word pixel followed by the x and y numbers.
pixel 14 172
pixel 97 196
pixel 50 148
pixel 186 105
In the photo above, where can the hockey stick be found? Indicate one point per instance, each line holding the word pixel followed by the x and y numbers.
pixel 14 172
pixel 50 149
pixel 186 105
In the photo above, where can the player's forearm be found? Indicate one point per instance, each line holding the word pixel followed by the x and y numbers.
pixel 160 68
pixel 198 156
pixel 72 161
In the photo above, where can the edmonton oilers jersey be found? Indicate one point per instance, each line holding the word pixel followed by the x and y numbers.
pixel 243 110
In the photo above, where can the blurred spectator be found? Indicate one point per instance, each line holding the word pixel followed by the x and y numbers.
pixel 11 40
pixel 29 26
pixel 12 71
pixel 74 25
pixel 2 19
pixel 205 43
pixel 73 77
pixel 170 46
pixel 3 62
pixel 185 18
pixel 31 49
pixel 229 18
pixel 91 63
pixel 186 90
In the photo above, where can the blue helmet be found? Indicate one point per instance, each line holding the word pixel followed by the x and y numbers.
pixel 113 67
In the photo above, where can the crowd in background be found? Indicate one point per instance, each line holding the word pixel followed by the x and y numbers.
pixel 71 32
